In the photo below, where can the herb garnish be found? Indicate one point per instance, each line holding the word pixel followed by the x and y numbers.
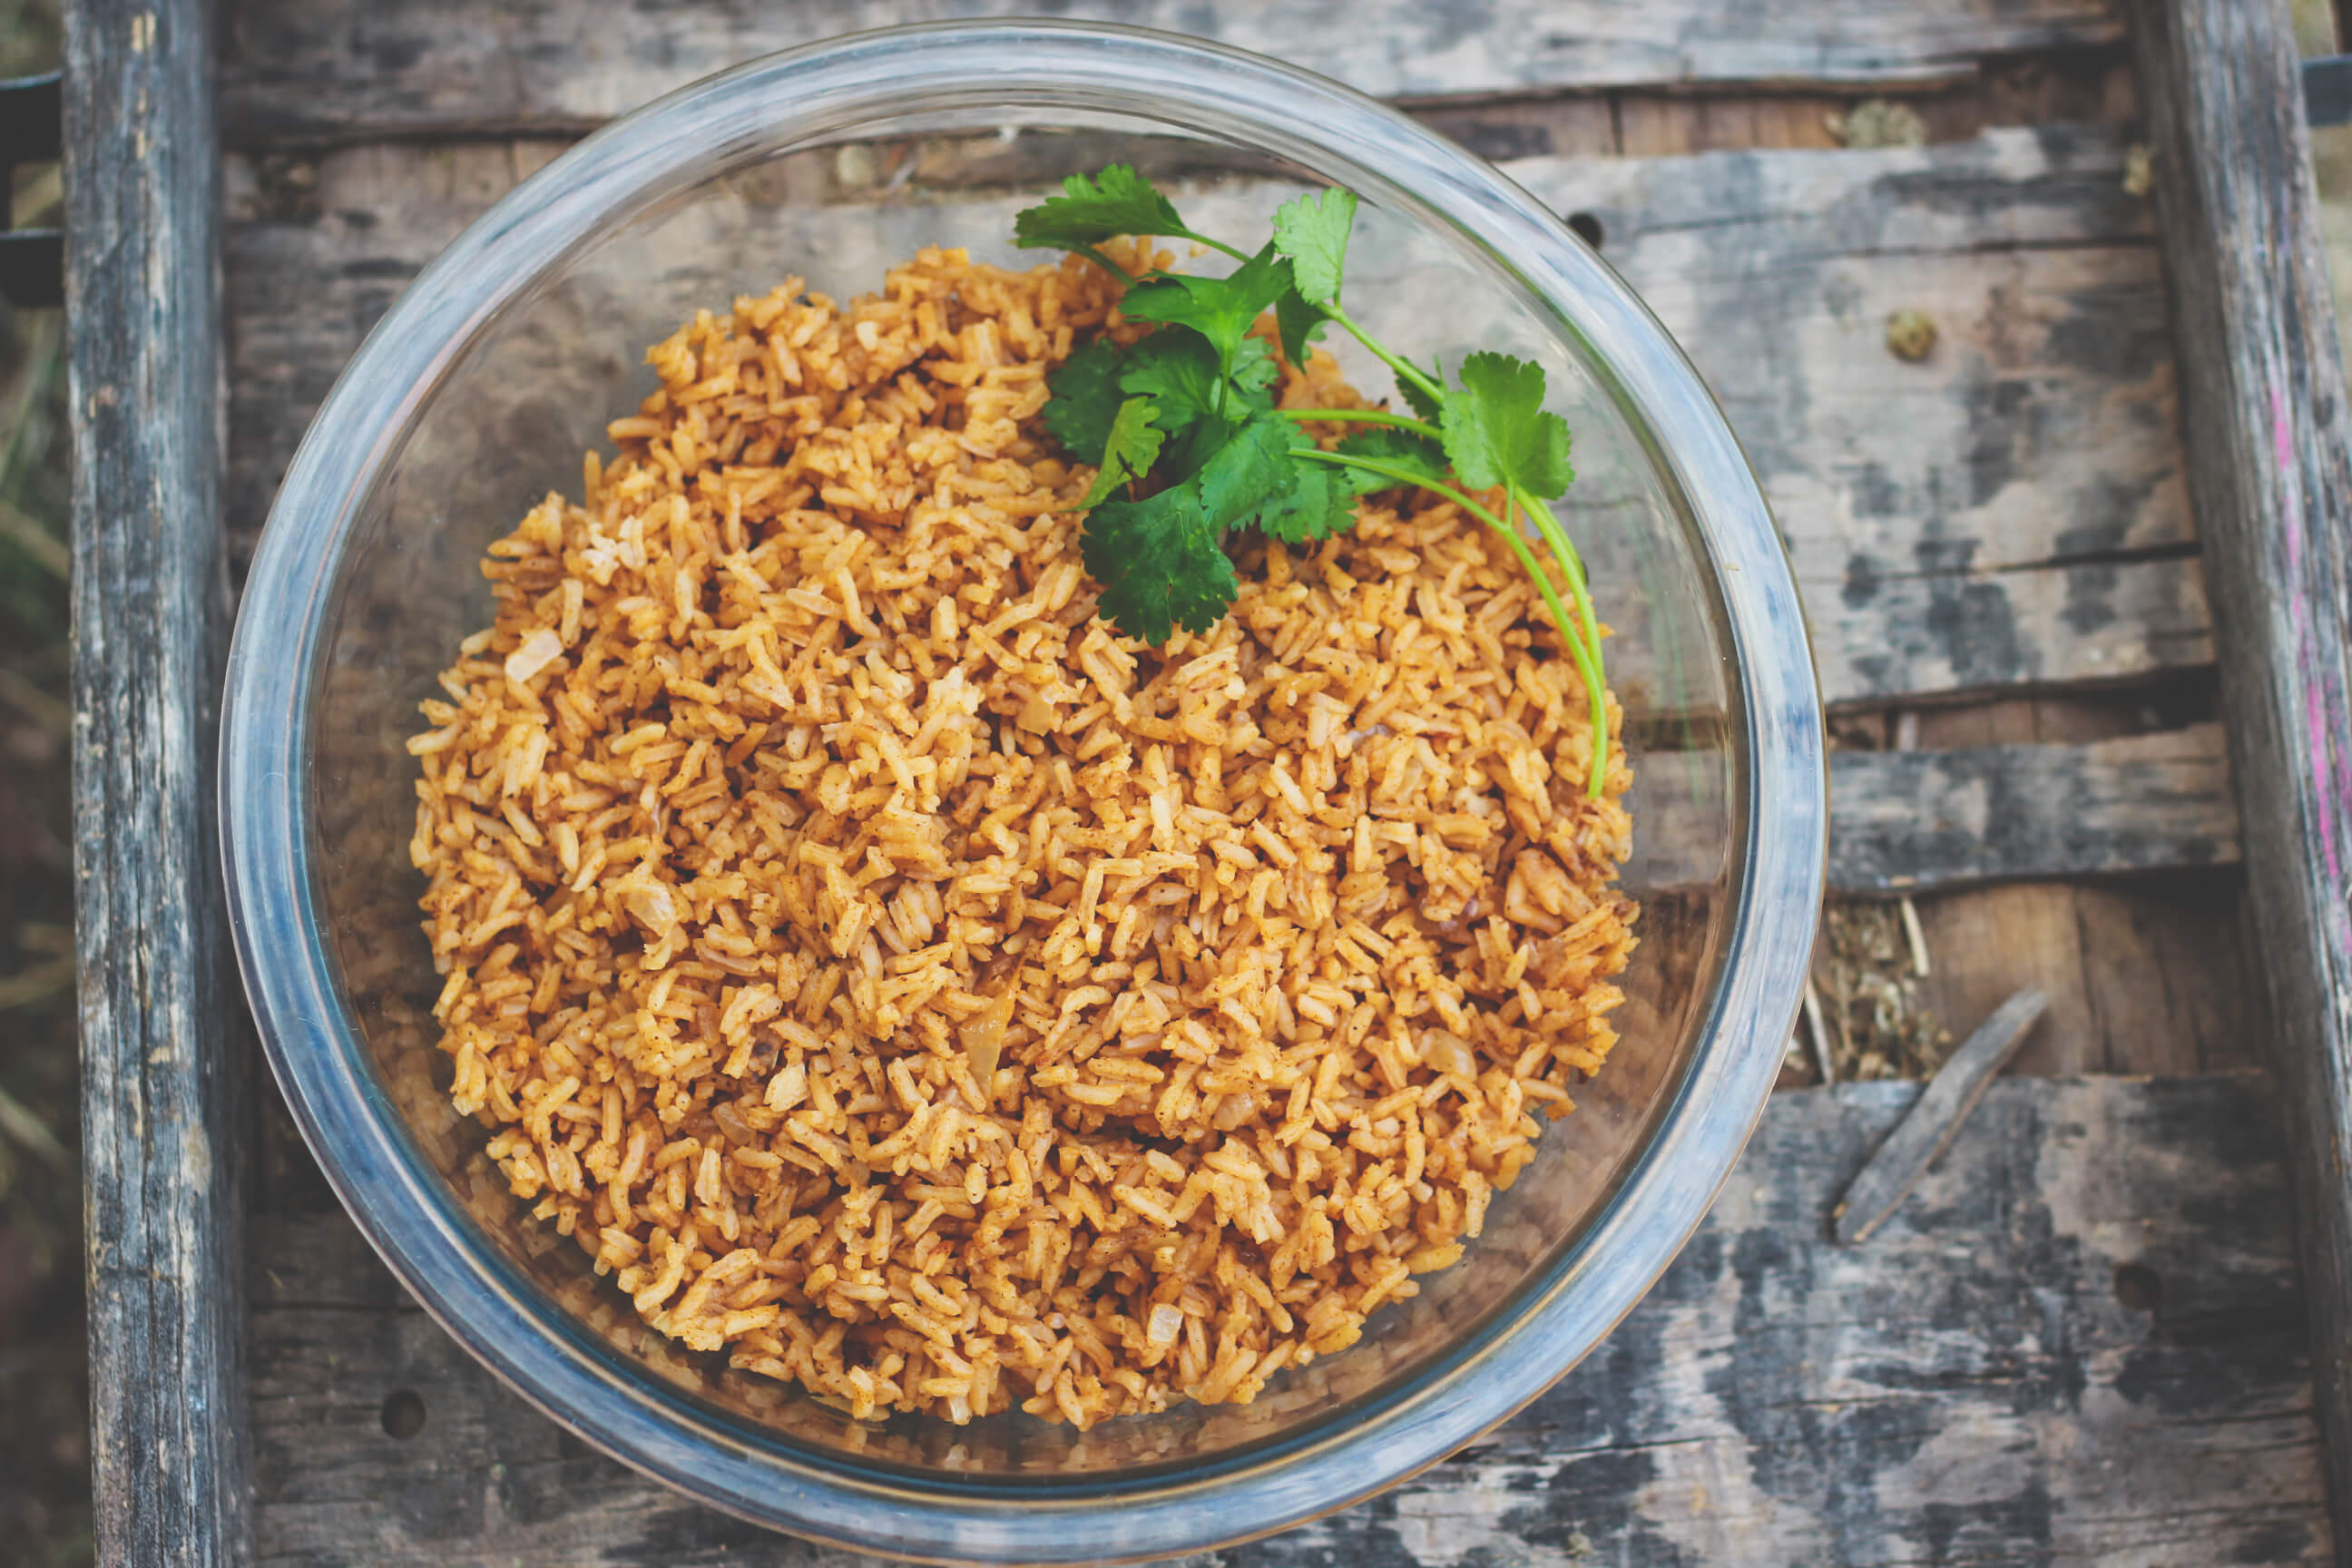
pixel 1188 445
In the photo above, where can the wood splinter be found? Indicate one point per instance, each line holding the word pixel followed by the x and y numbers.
pixel 1934 1119
pixel 1824 1062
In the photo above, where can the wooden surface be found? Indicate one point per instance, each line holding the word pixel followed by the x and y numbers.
pixel 2270 443
pixel 1908 821
pixel 161 1097
pixel 2009 511
pixel 2076 1342
pixel 349 69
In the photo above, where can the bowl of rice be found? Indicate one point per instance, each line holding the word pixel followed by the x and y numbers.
pixel 787 982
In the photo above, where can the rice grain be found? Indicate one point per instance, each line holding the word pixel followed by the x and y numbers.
pixel 904 986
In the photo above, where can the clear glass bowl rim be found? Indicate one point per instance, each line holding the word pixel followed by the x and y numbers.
pixel 405 1210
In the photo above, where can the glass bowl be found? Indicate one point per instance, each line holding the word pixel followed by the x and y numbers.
pixel 477 395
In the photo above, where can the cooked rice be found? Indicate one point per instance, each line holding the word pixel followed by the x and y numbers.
pixel 904 985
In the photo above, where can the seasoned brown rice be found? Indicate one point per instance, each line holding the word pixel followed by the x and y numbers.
pixel 902 984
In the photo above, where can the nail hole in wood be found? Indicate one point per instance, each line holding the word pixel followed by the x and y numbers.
pixel 2140 1288
pixel 404 1415
pixel 1587 229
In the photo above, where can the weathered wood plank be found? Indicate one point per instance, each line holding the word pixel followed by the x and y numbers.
pixel 2078 1342
pixel 1910 821
pixel 2269 446
pixel 1906 823
pixel 347 69
pixel 1946 634
pixel 161 1092
pixel 2010 511
pixel 1776 270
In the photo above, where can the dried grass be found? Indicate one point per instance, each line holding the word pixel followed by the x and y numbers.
pixel 1881 1027
pixel 901 984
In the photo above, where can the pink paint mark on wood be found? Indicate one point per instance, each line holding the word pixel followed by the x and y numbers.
pixel 2343 802
pixel 2283 449
pixel 2331 773
pixel 2322 773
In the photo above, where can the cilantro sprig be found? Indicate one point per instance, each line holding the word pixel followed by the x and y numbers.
pixel 1188 447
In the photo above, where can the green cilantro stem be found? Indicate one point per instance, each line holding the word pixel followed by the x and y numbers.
pixel 1586 637
pixel 1212 244
pixel 1362 416
pixel 1404 368
pixel 1563 550
pixel 1106 263
pixel 1579 647
pixel 1124 276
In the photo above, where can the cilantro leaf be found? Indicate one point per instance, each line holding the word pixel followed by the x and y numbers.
pixel 1313 232
pixel 1196 417
pixel 1398 448
pixel 1496 431
pixel 1158 564
pixel 1246 471
pixel 1258 479
pixel 1128 453
pixel 1085 391
pixel 1427 407
pixel 1178 371
pixel 1317 501
pixel 1254 370
pixel 1300 324
pixel 1222 310
pixel 1118 201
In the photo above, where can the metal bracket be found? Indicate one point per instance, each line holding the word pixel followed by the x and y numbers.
pixel 32 130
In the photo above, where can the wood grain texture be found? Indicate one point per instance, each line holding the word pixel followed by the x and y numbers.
pixel 1909 821
pixel 2010 512
pixel 2270 447
pixel 349 69
pixel 2169 974
pixel 2146 974
pixel 161 1095
pixel 2078 1342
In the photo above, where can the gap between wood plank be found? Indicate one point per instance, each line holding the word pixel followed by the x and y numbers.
pixel 2146 977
